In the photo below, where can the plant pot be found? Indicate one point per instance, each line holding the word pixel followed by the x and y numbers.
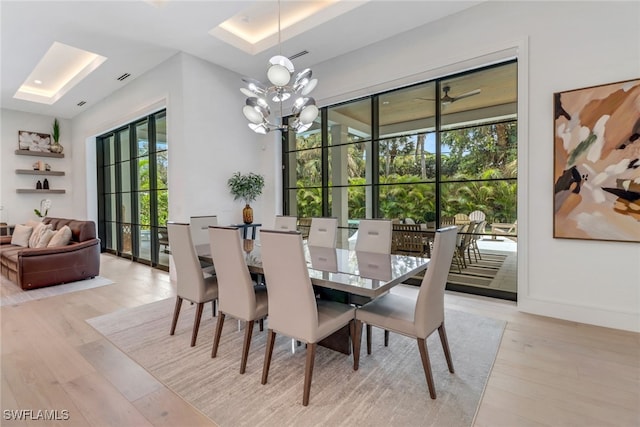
pixel 56 147
pixel 247 214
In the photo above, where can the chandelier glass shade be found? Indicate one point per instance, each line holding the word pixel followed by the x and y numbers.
pixel 280 94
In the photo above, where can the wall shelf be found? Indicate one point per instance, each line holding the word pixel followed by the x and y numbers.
pixel 39 154
pixel 38 172
pixel 34 191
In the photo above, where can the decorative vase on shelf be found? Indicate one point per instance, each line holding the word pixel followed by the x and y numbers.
pixel 38 185
pixel 56 148
pixel 247 214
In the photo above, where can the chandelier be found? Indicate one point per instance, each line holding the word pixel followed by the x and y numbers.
pixel 280 94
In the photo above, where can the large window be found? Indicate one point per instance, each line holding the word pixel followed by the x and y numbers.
pixel 132 195
pixel 420 153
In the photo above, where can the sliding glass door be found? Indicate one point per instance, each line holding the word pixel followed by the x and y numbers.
pixel 132 194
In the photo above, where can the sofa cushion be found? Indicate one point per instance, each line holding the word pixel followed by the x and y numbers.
pixel 80 230
pixel 21 235
pixel 61 238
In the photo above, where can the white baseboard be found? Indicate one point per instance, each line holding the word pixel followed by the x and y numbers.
pixel 628 321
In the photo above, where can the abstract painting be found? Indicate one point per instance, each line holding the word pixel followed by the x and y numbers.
pixel 597 162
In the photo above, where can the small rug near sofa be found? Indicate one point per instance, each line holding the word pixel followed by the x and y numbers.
pixel 11 294
pixel 388 389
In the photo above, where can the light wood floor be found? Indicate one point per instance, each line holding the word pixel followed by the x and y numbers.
pixel 547 373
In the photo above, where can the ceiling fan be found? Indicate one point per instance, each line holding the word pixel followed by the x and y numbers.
pixel 448 99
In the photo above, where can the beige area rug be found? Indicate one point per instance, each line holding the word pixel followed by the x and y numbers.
pixel 11 294
pixel 389 389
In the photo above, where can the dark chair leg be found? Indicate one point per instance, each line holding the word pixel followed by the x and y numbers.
pixel 248 330
pixel 196 323
pixel 308 372
pixel 216 336
pixel 426 365
pixel 271 337
pixel 386 338
pixel 445 346
pixel 261 325
pixel 214 307
pixel 176 313
pixel 356 337
pixel 368 339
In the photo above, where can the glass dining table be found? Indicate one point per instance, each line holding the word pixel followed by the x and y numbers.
pixel 348 276
pixel 361 275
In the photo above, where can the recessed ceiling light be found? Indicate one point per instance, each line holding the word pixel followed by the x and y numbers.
pixel 62 67
pixel 255 28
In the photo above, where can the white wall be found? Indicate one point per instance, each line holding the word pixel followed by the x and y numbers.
pixel 18 208
pixel 560 46
pixel 208 138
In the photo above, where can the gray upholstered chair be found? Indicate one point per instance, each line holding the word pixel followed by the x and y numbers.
pixel 238 297
pixel 374 235
pixel 288 223
pixel 199 228
pixel 191 283
pixel 418 318
pixel 323 232
pixel 200 235
pixel 293 309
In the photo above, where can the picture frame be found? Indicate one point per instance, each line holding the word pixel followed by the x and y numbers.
pixel 597 162
pixel 34 141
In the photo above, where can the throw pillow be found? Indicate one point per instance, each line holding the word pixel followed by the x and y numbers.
pixel 21 235
pixel 37 233
pixel 61 238
pixel 46 238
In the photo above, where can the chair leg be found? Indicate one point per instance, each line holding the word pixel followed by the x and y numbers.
pixel 308 372
pixel 214 308
pixel 196 323
pixel 248 330
pixel 386 338
pixel 218 333
pixel 445 346
pixel 368 339
pixel 176 313
pixel 261 322
pixel 426 365
pixel 271 337
pixel 356 337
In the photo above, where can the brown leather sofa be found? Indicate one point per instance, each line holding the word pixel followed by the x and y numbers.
pixel 34 268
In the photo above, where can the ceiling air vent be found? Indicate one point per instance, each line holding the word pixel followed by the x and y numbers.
pixel 298 55
pixel 124 76
pixel 81 103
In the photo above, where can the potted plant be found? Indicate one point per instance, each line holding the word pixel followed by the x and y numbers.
pixel 246 187
pixel 430 219
pixel 55 134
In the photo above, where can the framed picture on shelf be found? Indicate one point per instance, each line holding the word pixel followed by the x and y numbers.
pixel 597 162
pixel 34 141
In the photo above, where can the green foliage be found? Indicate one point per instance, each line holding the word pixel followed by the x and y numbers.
pixel 55 130
pixel 246 187
pixel 480 162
